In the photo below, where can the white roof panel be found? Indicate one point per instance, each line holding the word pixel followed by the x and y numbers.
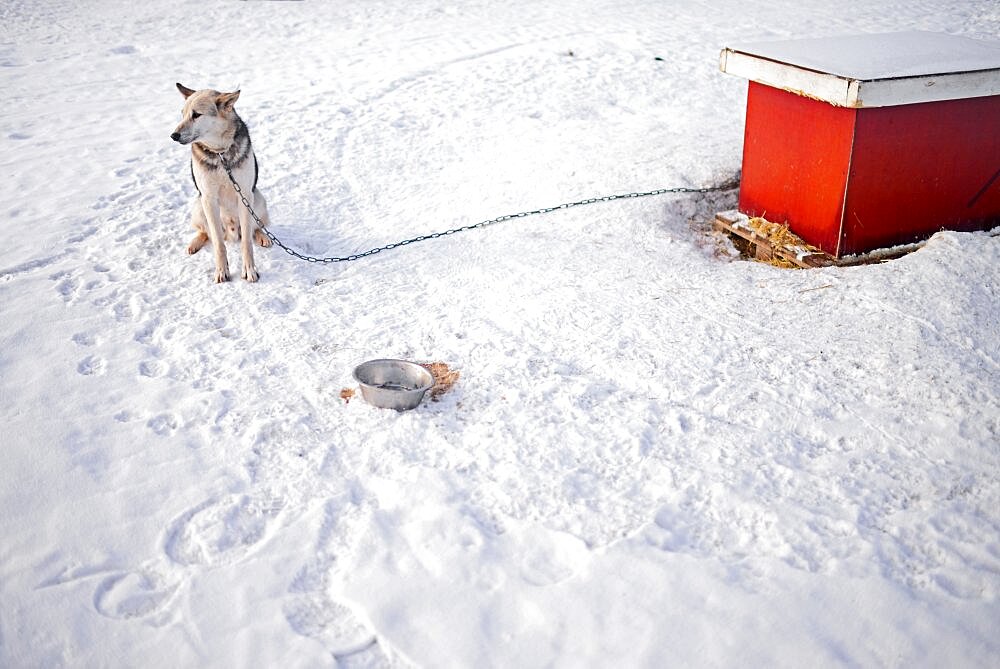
pixel 872 70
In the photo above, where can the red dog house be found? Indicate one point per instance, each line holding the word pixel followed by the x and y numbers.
pixel 869 141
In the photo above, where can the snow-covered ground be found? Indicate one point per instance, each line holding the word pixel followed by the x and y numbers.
pixel 656 455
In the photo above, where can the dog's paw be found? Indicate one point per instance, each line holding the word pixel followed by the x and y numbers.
pixel 250 274
pixel 222 275
pixel 199 241
pixel 261 238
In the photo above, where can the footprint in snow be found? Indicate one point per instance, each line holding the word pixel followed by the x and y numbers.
pixel 92 365
pixel 123 311
pixel 152 368
pixel 163 424
pixel 119 595
pixel 333 624
pixel 66 285
pixel 310 612
pixel 148 329
pixel 133 595
pixel 84 339
pixel 222 531
pixel 282 305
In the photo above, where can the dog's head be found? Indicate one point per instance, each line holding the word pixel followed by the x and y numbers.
pixel 207 118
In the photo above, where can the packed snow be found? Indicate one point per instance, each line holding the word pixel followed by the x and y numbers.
pixel 656 454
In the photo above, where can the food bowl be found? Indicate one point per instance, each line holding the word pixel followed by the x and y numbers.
pixel 393 384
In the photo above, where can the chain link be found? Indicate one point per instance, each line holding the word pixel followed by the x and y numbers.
pixel 482 224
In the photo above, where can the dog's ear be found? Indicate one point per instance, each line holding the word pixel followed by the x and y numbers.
pixel 226 101
pixel 185 91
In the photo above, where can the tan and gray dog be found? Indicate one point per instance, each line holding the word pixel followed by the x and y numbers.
pixel 215 132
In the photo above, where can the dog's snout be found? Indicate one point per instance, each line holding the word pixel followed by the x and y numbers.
pixel 176 136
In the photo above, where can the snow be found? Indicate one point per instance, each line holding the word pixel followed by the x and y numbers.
pixel 657 453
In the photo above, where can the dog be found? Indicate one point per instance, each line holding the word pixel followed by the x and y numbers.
pixel 216 133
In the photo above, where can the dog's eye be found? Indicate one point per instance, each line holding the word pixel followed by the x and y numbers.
pixel 195 115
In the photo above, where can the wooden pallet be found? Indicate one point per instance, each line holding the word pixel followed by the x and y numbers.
pixel 789 248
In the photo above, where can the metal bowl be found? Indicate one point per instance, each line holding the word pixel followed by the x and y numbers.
pixel 393 384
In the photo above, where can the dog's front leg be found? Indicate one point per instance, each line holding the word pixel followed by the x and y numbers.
pixel 246 246
pixel 199 223
pixel 215 233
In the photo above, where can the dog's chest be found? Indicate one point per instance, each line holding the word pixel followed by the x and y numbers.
pixel 215 184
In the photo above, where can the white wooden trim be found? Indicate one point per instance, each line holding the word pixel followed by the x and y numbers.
pixel 809 83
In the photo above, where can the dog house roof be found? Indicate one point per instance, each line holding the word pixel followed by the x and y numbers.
pixel 875 70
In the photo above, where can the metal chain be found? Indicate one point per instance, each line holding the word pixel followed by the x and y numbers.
pixel 482 224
